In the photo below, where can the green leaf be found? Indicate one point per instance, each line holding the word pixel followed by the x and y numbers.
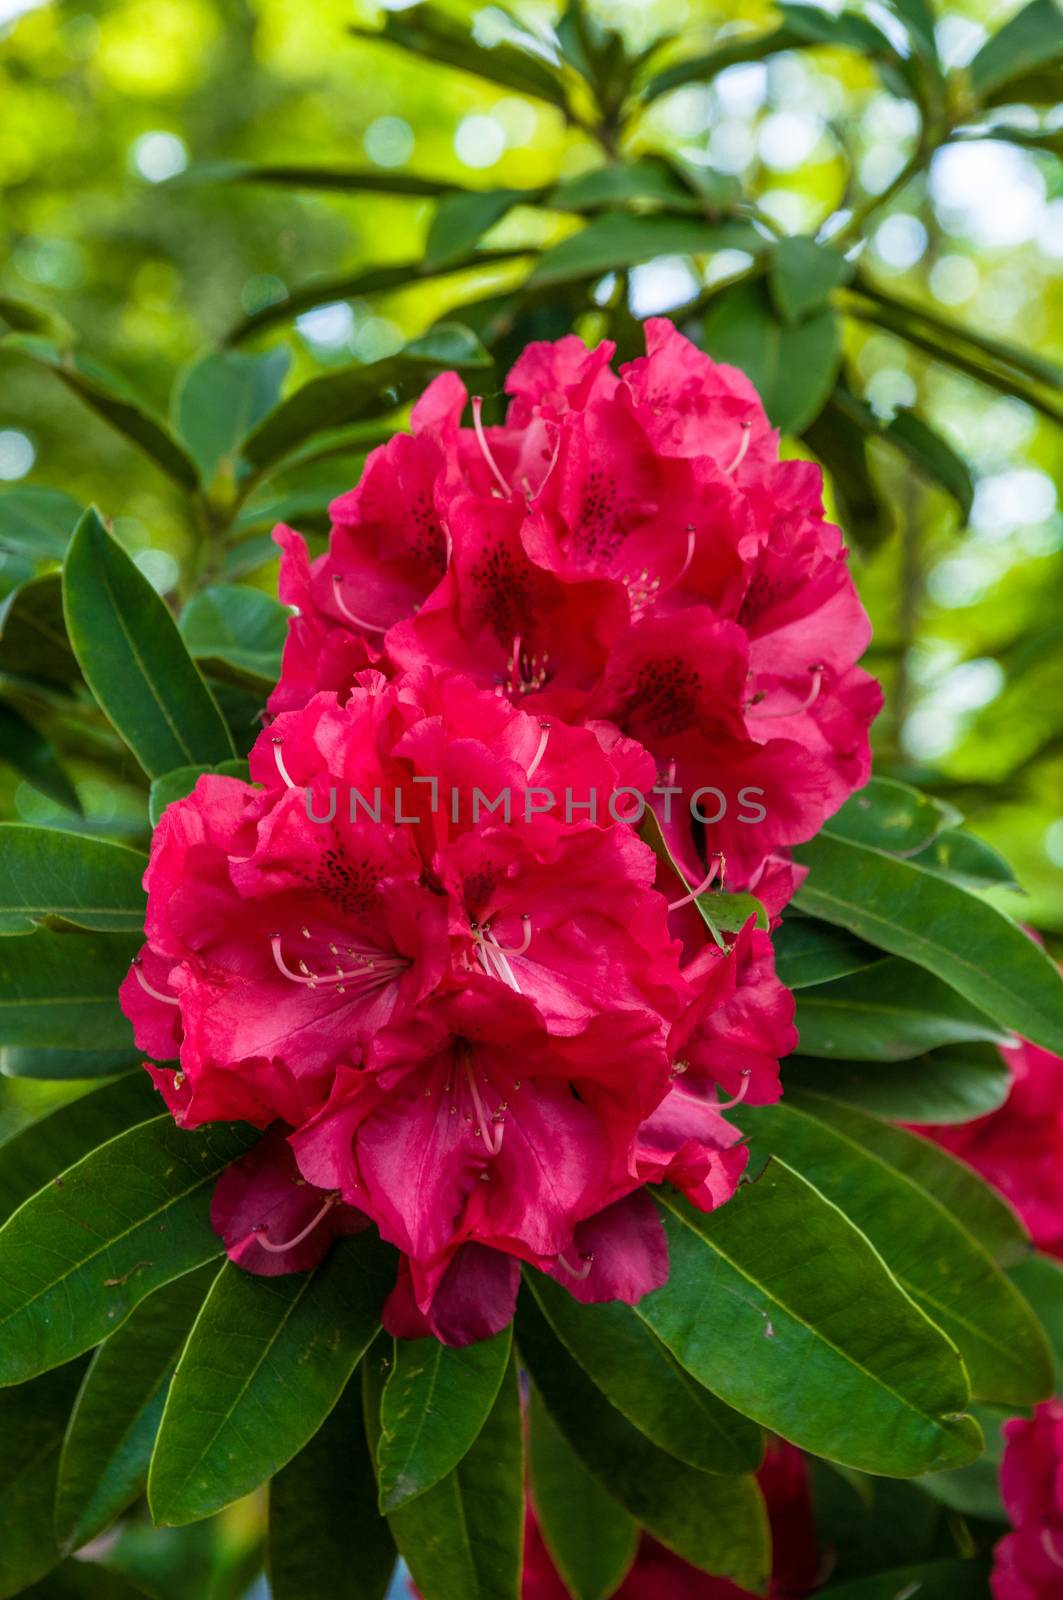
pixel 175 785
pixel 888 1012
pixel 802 275
pixel 435 1402
pixel 717 1523
pixel 79 1256
pixel 722 913
pixel 934 1259
pixel 19 1061
pixel 589 1535
pixel 928 451
pixel 109 1439
pixel 892 816
pixel 1030 40
pixel 33 641
pixel 781 1306
pixel 838 439
pixel 24 317
pixel 77 1579
pixel 461 220
pixel 38 521
pixel 55 1124
pixel 793 367
pixel 429 32
pixel 910 912
pixel 1047 139
pixel 89 882
pixel 808 952
pixel 236 631
pixel 647 179
pixel 34 759
pixel 61 989
pixel 293 175
pixel 264 1364
pixel 934 1580
pixel 944 1086
pixel 953 1184
pixel 327 1541
pixel 616 240
pixel 1039 1279
pixel 463 1539
pixel 974 1491
pixel 134 660
pixel 967 860
pixel 112 399
pixel 918 19
pixel 356 393
pixel 32 1420
pixel 639 1376
pixel 219 399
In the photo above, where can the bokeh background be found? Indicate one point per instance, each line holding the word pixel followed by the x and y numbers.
pixel 112 117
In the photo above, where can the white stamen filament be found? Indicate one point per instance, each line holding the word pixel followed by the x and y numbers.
pixel 156 994
pixel 736 1100
pixel 485 448
pixel 550 468
pixel 1050 1547
pixel 752 710
pixel 492 1128
pixel 740 453
pixel 580 1272
pixel 375 971
pixel 544 739
pixel 715 867
pixel 687 559
pixel 281 768
pixel 290 1244
pixel 359 622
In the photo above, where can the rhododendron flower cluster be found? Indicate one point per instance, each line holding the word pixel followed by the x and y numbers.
pixel 1028 1563
pixel 426 947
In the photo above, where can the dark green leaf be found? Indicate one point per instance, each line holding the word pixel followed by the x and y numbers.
pixel 327 1541
pixel 23 1105
pixel 435 1402
pixel 264 1365
pixel 717 1523
pixel 793 368
pixel 463 1538
pixel 966 859
pixel 943 1086
pixel 77 1579
pixel 892 816
pixel 728 913
pixel 237 631
pixel 934 1259
pixel 929 452
pixel 648 179
pixel 34 759
pixel 888 1012
pixel 89 882
pixel 635 1371
pixel 1030 40
pixel 19 1061
pixel 913 913
pixel 38 521
pixel 808 951
pixel 112 1429
pixel 618 239
pixel 23 317
pixel 354 394
pixel 61 989
pixel 134 660
pixel 838 439
pixel 974 1491
pixel 1047 139
pixel 32 1421
pixel 782 1306
pixel 935 1580
pixel 33 641
pixel 802 275
pixel 1040 1280
pixel 590 1536
pixel 461 220
pixel 429 32
pixel 289 175
pixel 112 399
pixel 219 399
pixel 80 1255
pixel 953 1184
pixel 918 18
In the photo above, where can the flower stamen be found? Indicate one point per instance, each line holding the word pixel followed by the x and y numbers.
pixel 289 1244
pixel 286 776
pixel 816 670
pixel 744 443
pixel 544 739
pixel 492 1128
pixel 715 868
pixel 580 1272
pixel 736 1100
pixel 156 994
pixel 485 448
pixel 351 616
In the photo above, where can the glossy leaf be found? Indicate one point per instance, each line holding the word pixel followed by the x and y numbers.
pixel 435 1402
pixel 61 989
pixel 327 1540
pixel 112 399
pixel 888 1012
pixel 892 816
pixel 967 860
pixel 808 951
pixel 839 440
pixel 647 179
pixel 635 1371
pixel 38 521
pixel 983 1212
pixel 26 1061
pixel 589 1535
pixel 33 758
pixel 427 30
pixel 793 367
pixel 1039 1279
pixel 112 1428
pixel 90 882
pixel 913 913
pixel 1030 40
pixel 934 1259
pixel 802 275
pixel 134 659
pixel 77 1579
pixel 219 399
pixel 974 1491
pixel 32 1421
pixel 617 240
pixel 944 1086
pixel 79 1256
pixel 264 1364
pixel 934 1580
pixel 235 631
pixel 33 638
pixel 715 1522
pixel 463 1539
pixel 782 1306
pixel 461 220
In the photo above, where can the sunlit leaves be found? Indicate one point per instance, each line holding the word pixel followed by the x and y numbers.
pixel 236 632
pixel 793 364
pixel 89 882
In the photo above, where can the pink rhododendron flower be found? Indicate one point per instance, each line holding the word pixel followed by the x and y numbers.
pixel 1028 1563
